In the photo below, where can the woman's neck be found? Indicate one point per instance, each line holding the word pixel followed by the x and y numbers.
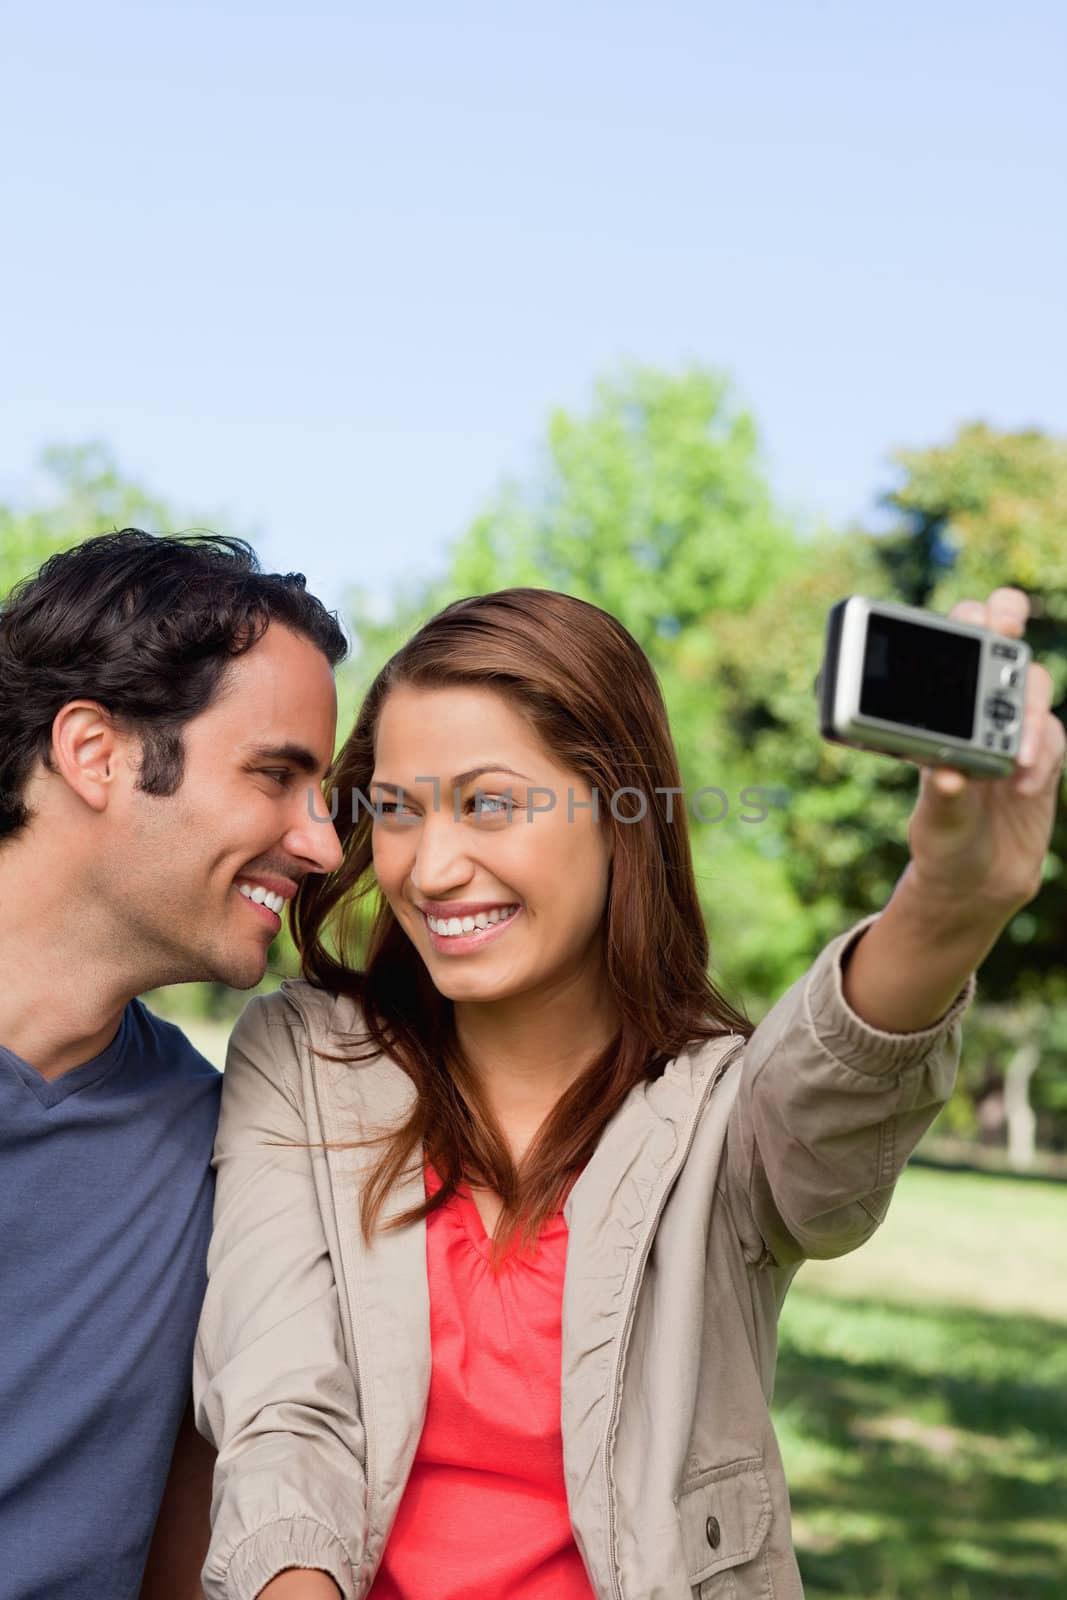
pixel 528 1049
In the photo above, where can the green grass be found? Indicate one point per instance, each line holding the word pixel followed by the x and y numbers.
pixel 921 1401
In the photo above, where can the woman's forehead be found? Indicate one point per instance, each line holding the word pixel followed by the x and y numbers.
pixel 455 729
pixel 413 715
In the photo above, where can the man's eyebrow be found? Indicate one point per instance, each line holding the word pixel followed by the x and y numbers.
pixel 298 755
pixel 459 781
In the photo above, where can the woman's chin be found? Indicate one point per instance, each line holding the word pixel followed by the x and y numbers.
pixel 472 986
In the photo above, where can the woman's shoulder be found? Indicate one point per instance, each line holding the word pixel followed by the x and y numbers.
pixel 298 1004
pixel 278 1032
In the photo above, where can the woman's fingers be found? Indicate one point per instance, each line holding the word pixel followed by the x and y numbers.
pixel 1007 610
pixel 1035 713
pixel 972 611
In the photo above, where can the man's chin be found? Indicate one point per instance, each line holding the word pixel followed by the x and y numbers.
pixel 237 969
pixel 245 976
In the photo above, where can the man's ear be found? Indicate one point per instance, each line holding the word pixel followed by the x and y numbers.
pixel 87 751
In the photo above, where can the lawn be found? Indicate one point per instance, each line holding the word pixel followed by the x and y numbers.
pixel 922 1399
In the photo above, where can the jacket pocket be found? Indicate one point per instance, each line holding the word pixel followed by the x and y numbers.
pixel 725 1515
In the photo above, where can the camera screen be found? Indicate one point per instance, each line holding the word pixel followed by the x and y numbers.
pixel 923 676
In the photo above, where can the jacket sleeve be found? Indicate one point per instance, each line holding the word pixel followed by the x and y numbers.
pixel 827 1112
pixel 272 1389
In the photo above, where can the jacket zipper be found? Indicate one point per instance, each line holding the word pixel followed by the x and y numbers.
pixel 624 1339
pixel 342 1288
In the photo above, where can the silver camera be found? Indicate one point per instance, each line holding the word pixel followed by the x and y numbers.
pixel 908 682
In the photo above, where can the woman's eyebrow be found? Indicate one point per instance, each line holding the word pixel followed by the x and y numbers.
pixel 462 778
pixel 458 781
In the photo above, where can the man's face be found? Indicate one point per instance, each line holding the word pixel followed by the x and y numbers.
pixel 249 816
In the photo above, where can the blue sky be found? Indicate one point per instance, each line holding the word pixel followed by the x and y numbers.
pixel 323 276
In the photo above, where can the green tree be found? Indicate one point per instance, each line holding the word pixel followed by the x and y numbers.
pixel 987 509
pixel 654 505
pixel 86 494
pixel 999 501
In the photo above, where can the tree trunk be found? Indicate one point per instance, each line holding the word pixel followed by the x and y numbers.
pixel 1022 1122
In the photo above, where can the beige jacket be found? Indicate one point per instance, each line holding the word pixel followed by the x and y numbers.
pixel 707 1189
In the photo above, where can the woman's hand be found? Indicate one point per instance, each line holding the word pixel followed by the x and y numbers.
pixel 977 850
pixel 978 845
pixel 300 1584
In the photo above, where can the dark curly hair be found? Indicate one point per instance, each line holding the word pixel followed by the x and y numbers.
pixel 145 625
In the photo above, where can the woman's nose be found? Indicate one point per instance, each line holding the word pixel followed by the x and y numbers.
pixel 441 863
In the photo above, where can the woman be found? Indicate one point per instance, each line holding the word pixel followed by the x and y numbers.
pixel 504 1219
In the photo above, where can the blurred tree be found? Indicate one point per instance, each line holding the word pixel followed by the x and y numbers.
pixel 86 494
pixel 655 506
pixel 985 510
pixel 999 502
pixel 647 506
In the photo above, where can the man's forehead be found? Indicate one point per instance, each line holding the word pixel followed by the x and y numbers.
pixel 266 703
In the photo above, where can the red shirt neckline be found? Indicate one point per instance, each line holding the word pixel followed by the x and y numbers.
pixel 468 1213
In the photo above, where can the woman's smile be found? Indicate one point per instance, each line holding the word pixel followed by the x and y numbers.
pixel 457 935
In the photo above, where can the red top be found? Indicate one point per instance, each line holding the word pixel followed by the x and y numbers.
pixel 484 1510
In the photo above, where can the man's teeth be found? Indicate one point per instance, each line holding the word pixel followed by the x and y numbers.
pixel 263 897
pixel 450 926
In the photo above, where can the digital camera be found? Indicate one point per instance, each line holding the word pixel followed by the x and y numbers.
pixel 908 682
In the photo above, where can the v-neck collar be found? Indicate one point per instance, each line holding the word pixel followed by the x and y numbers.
pixel 53 1091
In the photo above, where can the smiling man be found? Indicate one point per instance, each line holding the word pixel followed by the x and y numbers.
pixel 166 709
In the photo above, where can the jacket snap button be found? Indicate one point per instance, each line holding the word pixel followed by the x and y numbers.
pixel 711 1528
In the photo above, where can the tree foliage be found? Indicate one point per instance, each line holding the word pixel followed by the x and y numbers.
pixel 655 504
pixel 984 510
pixel 85 494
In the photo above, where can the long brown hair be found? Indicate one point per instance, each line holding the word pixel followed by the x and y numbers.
pixel 589 691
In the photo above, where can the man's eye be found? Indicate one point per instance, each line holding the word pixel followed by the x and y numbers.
pixel 280 775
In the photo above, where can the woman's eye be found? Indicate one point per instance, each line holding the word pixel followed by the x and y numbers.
pixel 487 805
pixel 491 805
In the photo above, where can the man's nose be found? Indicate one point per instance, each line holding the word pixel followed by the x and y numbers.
pixel 318 840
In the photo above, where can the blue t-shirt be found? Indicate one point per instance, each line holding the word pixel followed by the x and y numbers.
pixel 106 1192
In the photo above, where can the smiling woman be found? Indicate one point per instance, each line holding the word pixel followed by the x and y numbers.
pixel 509 1195
pixel 500 726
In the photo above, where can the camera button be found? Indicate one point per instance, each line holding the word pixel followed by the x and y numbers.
pixel 1009 677
pixel 1007 651
pixel 990 740
pixel 1006 741
pixel 1000 710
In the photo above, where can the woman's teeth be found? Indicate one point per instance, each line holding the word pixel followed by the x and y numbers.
pixel 450 926
pixel 263 897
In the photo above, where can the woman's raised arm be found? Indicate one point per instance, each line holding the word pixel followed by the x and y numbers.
pixel 845 1073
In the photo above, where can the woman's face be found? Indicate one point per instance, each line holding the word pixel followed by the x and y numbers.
pixel 535 883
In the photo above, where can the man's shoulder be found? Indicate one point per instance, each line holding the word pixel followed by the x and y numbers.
pixel 172 1051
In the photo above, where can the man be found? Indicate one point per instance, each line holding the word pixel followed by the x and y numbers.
pixel 166 711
